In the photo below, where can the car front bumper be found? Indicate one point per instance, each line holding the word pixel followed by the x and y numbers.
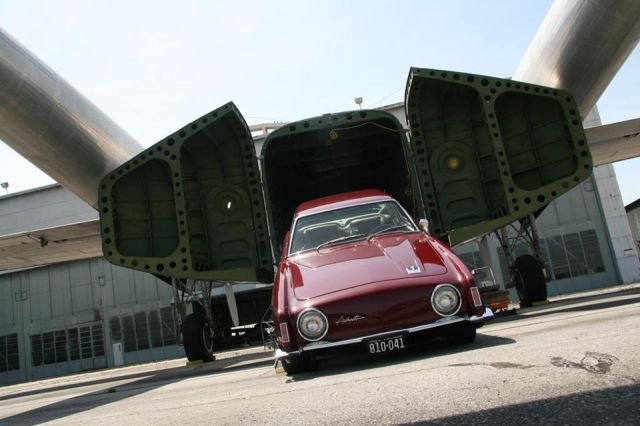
pixel 475 319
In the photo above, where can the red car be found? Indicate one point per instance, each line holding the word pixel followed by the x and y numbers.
pixel 356 270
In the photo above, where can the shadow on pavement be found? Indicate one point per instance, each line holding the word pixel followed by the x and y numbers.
pixel 145 382
pixel 348 362
pixel 435 348
pixel 617 405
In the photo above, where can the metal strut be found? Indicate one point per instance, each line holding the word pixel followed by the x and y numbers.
pixel 205 301
pixel 186 292
pixel 179 308
pixel 526 233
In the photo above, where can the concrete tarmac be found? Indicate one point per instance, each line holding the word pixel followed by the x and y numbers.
pixel 574 361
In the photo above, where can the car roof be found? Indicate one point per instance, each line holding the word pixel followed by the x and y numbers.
pixel 339 201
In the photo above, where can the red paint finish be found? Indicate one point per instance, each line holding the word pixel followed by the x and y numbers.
pixel 366 286
pixel 384 258
pixel 339 201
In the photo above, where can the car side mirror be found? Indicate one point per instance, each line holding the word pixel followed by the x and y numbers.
pixel 424 225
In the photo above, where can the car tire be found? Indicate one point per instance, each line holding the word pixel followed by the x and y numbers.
pixel 530 282
pixel 462 334
pixel 198 338
pixel 297 365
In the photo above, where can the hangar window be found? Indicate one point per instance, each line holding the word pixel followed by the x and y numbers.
pixel 471 259
pixel 9 359
pixel 154 329
pixel 36 349
pixel 98 340
pixel 558 255
pixel 72 344
pixel 566 256
pixel 60 342
pixel 142 334
pixel 116 331
pixel 129 334
pixel 575 254
pixel 85 342
pixel 48 350
pixel 168 326
pixel 592 250
pixel 144 330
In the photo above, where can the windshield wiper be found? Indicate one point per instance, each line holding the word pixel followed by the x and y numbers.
pixel 340 239
pixel 385 230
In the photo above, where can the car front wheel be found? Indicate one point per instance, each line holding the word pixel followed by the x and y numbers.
pixel 462 334
pixel 297 365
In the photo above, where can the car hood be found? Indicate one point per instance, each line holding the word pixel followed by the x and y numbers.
pixel 389 257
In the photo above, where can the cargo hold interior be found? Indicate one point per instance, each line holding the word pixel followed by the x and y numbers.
pixel 331 155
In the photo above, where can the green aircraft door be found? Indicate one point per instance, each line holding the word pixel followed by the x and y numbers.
pixel 489 151
pixel 190 206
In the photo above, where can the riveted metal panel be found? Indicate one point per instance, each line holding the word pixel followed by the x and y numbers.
pixel 489 151
pixel 190 206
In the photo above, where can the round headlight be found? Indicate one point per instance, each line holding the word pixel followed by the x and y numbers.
pixel 312 324
pixel 446 300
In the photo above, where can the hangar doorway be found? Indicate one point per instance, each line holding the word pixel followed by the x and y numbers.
pixel 70 350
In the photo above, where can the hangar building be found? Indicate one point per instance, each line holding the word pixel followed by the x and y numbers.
pixel 87 314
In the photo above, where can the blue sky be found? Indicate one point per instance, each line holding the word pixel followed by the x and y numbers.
pixel 154 66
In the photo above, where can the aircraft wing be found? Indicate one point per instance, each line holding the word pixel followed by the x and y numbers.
pixel 614 142
pixel 52 245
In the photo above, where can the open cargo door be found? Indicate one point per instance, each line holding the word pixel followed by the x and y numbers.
pixel 190 206
pixel 332 154
pixel 489 151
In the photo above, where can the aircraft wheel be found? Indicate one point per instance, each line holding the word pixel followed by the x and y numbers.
pixel 530 282
pixel 198 338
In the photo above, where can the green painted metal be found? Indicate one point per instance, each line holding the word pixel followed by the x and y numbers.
pixel 190 206
pixel 483 152
pixel 489 151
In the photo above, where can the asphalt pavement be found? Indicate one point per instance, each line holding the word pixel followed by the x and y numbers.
pixel 574 361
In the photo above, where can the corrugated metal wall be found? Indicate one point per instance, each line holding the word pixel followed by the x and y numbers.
pixel 60 318
pixel 41 208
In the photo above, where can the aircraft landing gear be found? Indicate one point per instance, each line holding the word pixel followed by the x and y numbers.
pixel 527 272
pixel 195 330
pixel 198 338
pixel 528 277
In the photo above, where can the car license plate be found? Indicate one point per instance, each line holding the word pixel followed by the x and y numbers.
pixel 386 344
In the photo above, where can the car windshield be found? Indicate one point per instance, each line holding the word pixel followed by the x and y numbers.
pixel 348 224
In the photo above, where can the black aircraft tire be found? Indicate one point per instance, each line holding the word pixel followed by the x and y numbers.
pixel 194 339
pixel 530 281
